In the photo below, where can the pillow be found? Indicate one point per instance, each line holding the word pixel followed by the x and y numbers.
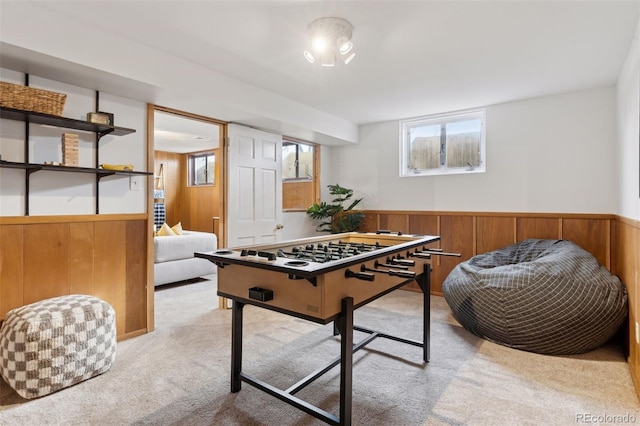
pixel 165 231
pixel 177 228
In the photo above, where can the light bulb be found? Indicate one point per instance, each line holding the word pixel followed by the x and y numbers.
pixel 328 59
pixel 344 45
pixel 319 44
pixel 309 56
pixel 349 58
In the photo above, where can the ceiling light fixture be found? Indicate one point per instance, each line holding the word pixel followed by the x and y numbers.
pixel 330 40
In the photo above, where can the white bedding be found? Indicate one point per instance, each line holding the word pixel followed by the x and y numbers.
pixel 183 246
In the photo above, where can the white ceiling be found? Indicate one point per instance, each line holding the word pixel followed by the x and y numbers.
pixel 175 133
pixel 413 57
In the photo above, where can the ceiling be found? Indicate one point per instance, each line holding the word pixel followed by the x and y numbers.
pixel 175 133
pixel 413 57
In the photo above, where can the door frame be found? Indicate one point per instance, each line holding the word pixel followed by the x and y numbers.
pixel 221 188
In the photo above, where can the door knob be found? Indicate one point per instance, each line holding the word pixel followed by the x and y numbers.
pixel 279 226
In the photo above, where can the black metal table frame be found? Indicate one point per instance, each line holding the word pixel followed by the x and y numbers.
pixel 343 325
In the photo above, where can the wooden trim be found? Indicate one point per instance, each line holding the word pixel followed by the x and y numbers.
pixel 224 197
pixel 224 187
pixel 188 115
pixel 316 173
pixel 628 221
pixel 133 334
pixel 30 220
pixel 150 222
pixel 497 214
pixel 559 227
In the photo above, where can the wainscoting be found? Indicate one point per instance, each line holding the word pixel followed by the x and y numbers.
pixel 103 255
pixel 626 264
pixel 107 255
pixel 613 240
pixel 471 233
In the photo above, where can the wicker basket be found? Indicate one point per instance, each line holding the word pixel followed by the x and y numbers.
pixel 27 98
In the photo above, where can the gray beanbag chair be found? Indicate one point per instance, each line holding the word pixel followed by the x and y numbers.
pixel 544 296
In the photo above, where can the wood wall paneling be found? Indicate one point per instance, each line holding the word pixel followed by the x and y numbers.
pixel 194 207
pixel 298 195
pixel 371 222
pixel 537 227
pixel 593 235
pixel 472 233
pixel 11 268
pixel 625 254
pixel 110 268
pixel 198 208
pixel 46 257
pixel 46 254
pixel 424 225
pixel 457 236
pixel 394 222
pixel 136 276
pixel 629 264
pixel 170 162
pixel 81 258
pixel 494 232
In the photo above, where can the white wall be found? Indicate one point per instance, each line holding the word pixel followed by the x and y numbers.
pixel 59 193
pixel 628 100
pixel 299 224
pixel 553 154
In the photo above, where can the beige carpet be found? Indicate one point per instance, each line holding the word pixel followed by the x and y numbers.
pixel 179 374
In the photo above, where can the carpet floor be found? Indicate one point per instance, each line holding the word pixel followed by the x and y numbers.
pixel 179 374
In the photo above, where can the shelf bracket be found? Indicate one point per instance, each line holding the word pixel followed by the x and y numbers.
pixel 31 170
pixel 104 133
pixel 100 175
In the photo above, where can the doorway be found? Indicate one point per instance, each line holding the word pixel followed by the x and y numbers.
pixel 188 171
pixel 187 155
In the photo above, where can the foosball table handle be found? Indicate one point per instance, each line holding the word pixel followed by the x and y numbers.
pixel 420 255
pixel 390 272
pixel 359 275
pixel 402 274
pixel 387 231
pixel 403 262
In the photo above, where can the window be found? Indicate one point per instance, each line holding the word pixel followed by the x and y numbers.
pixel 443 144
pixel 202 169
pixel 300 188
pixel 297 160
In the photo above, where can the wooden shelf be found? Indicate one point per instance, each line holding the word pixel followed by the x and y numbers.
pixel 99 130
pixel 69 123
pixel 33 167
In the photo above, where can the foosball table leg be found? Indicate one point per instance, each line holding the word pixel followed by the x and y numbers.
pixel 424 281
pixel 236 346
pixel 345 327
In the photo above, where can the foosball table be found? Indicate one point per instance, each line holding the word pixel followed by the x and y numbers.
pixel 323 279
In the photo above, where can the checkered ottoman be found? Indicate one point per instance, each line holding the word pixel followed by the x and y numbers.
pixel 55 343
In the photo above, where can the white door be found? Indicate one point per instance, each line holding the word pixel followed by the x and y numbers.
pixel 254 199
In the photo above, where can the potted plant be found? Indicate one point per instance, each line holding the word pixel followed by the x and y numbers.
pixel 336 218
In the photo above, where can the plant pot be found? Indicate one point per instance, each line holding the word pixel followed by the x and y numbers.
pixel 346 221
